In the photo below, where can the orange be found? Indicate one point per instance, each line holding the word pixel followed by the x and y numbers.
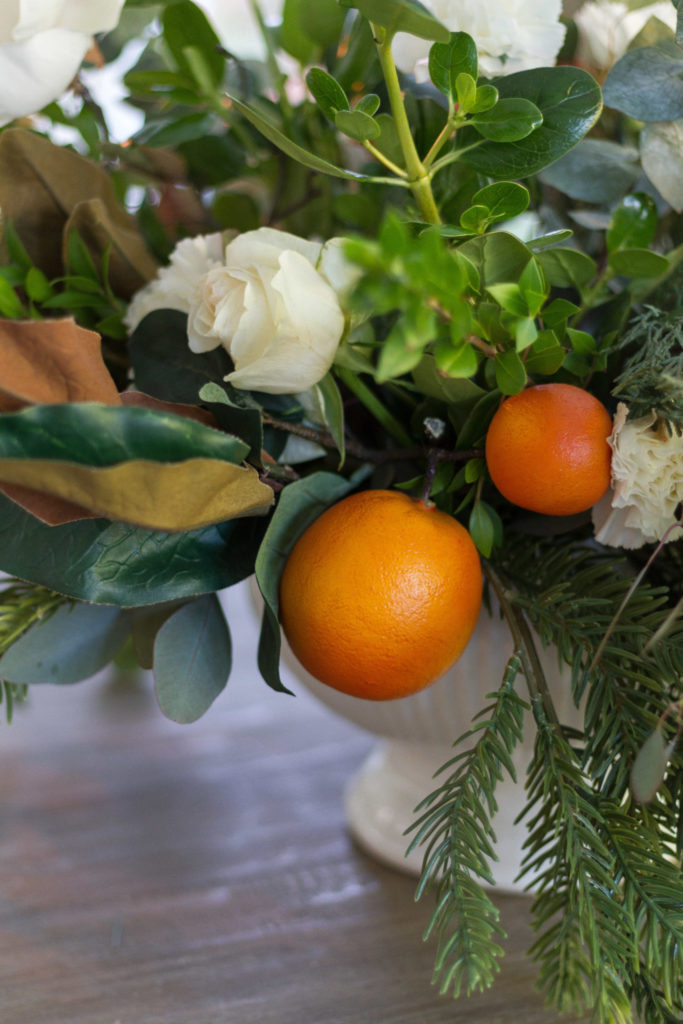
pixel 547 450
pixel 380 595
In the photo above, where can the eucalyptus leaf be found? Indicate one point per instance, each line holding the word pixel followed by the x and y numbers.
pixel 647 83
pixel 595 171
pixel 661 153
pixel 401 16
pixel 569 100
pixel 192 659
pixel 298 506
pixel 70 645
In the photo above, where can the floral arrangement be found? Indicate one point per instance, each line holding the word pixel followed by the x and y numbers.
pixel 321 266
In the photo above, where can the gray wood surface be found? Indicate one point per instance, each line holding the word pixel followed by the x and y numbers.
pixel 158 874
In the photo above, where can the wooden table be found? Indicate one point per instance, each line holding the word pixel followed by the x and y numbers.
pixel 152 873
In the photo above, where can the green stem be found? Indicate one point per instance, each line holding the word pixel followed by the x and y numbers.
pixel 418 177
pixel 374 406
pixel 382 159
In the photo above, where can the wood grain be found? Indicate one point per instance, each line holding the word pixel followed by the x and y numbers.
pixel 158 874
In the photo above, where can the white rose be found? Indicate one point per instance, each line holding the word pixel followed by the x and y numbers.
pixel 606 27
pixel 647 483
pixel 275 307
pixel 511 35
pixel 42 44
pixel 176 286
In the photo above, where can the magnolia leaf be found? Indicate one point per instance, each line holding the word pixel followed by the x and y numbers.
pixel 101 228
pixel 41 184
pixel 300 503
pixel 595 171
pixel 570 103
pixel 401 16
pixel 51 361
pixel 72 644
pixel 154 469
pixel 192 659
pixel 661 153
pixel 116 563
pixel 647 83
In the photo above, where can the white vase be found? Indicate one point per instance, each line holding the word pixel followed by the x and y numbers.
pixel 416 736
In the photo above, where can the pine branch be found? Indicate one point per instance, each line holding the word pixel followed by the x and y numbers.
pixel 456 830
pixel 652 377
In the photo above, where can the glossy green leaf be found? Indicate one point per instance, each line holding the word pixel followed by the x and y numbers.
pixel 647 83
pixel 546 355
pixel 504 199
pixel 567 268
pixel 332 410
pixel 465 91
pixel 327 92
pixel 510 298
pixel 192 659
pixel 369 104
pixel 570 102
pixel 485 97
pixel 633 223
pixel 509 121
pixel 483 526
pixel 185 25
pixel 448 60
pixel 72 644
pixel 401 16
pixel 475 219
pixel 462 395
pixel 299 505
pixel 357 125
pixel 595 171
pixel 510 372
pixel 474 428
pixel 499 257
pixel 456 360
pixel 638 263
pixel 114 563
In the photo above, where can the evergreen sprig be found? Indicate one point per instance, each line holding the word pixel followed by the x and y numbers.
pixel 652 376
pixel 455 827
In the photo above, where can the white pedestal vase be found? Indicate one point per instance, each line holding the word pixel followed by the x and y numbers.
pixel 415 739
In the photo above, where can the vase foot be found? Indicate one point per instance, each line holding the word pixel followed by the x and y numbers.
pixel 381 798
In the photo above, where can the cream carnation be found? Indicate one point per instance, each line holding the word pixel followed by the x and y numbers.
pixel 647 483
pixel 606 27
pixel 42 45
pixel 511 35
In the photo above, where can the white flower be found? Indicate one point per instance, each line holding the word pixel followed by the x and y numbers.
pixel 176 286
pixel 42 45
pixel 511 35
pixel 606 27
pixel 275 307
pixel 647 483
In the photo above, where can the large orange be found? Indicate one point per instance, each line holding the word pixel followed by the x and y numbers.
pixel 547 450
pixel 380 595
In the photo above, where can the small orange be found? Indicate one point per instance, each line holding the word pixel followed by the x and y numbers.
pixel 547 450
pixel 380 595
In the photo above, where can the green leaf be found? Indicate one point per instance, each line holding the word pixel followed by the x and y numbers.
pixel 595 171
pixel 456 360
pixel 510 298
pixel 475 219
pixel 327 92
pixel 79 262
pixel 299 505
pixel 462 395
pixel 499 257
pixel 15 247
pixel 192 659
pixel 567 268
pixel 633 223
pixel 533 287
pixel 323 21
pixel 332 409
pixel 401 16
pixel 164 366
pixel 569 100
pixel 526 333
pixel 448 60
pixel 484 527
pixel 647 83
pixel 369 104
pixel 70 645
pixel 114 563
pixel 292 35
pixel 465 91
pixel 37 286
pixel 357 125
pixel 546 355
pixel 475 426
pixel 485 97
pixel 185 25
pixel 509 121
pixel 638 263
pixel 232 415
pixel 10 303
pixel 289 147
pixel 510 372
pixel 504 199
